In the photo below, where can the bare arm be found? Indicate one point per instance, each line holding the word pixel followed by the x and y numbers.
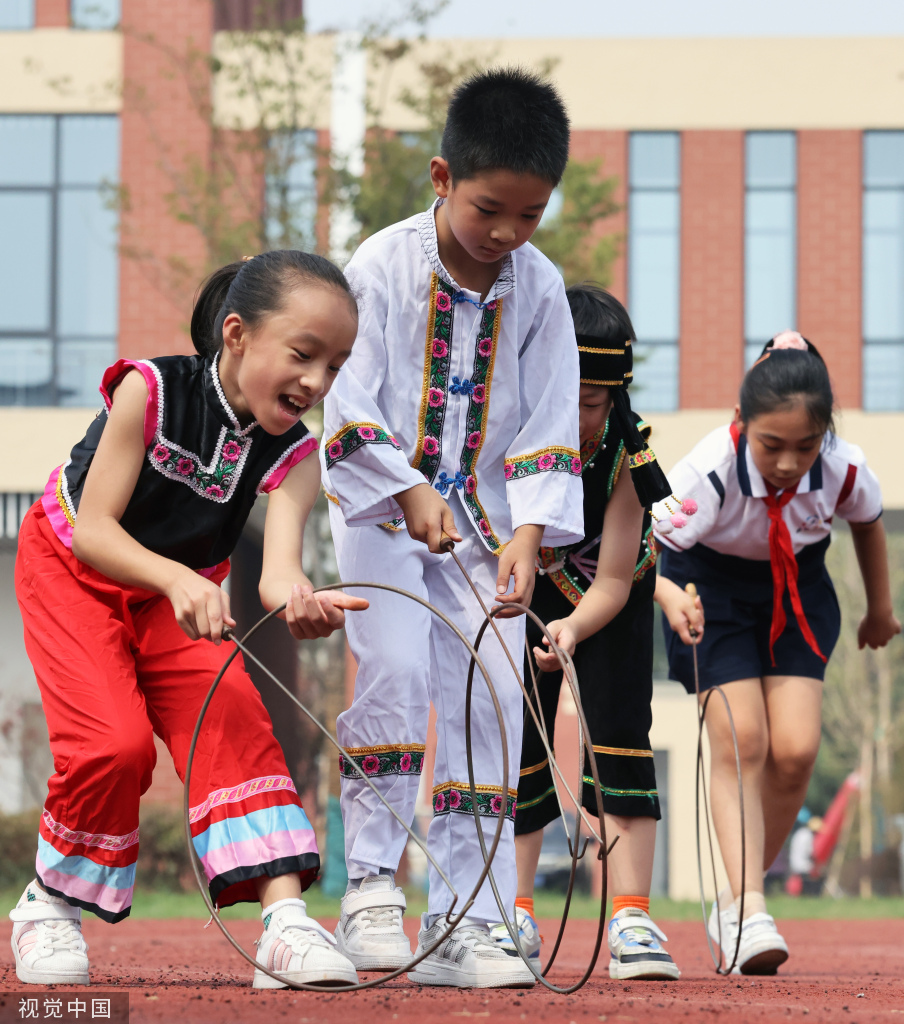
pixel 201 607
pixel 879 624
pixel 307 614
pixel 611 587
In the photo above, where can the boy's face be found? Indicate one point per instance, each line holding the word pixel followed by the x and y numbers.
pixel 595 404
pixel 492 213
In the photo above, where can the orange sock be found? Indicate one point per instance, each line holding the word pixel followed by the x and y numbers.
pixel 620 902
pixel 527 903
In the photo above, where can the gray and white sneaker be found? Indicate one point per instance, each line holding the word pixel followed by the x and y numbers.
pixel 468 958
pixel 47 940
pixel 299 949
pixel 370 931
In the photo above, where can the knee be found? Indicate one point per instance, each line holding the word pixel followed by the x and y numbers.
pixel 753 747
pixel 793 765
pixel 130 756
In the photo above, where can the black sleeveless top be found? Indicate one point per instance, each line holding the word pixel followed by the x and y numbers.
pixel 568 571
pixel 202 470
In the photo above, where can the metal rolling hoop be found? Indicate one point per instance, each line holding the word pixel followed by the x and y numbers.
pixel 717 957
pixel 488 852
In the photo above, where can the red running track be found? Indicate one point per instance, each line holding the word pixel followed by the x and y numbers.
pixel 850 971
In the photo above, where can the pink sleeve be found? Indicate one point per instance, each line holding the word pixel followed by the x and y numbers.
pixel 112 377
pixel 291 457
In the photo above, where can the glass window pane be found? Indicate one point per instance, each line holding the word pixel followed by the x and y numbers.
pixel 655 387
pixel 81 365
pixel 883 377
pixel 88 265
pixel 25 261
pixel 771 159
pixel 17 14
pixel 770 271
pixel 96 14
pixel 26 371
pixel 26 150
pixel 654 265
pixel 883 265
pixel 89 150
pixel 883 159
pixel 654 159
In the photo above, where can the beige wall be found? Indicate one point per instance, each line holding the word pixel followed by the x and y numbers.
pixel 683 84
pixel 60 71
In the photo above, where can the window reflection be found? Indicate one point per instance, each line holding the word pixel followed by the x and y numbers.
pixel 770 238
pixel 17 14
pixel 883 270
pixel 58 257
pixel 654 264
pixel 94 14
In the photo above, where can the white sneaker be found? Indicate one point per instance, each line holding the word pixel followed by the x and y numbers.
pixel 762 948
pixel 370 929
pixel 47 940
pixel 728 920
pixel 528 935
pixel 635 948
pixel 469 958
pixel 301 950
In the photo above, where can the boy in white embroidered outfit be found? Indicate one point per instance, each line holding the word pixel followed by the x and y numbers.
pixel 461 395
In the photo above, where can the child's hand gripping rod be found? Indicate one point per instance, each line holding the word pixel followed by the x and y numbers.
pixel 691 591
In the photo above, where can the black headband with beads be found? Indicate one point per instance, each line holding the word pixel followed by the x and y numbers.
pixel 602 365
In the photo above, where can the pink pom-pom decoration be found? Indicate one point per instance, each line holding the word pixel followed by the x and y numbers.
pixel 689 506
pixel 789 339
pixel 678 521
pixel 663 526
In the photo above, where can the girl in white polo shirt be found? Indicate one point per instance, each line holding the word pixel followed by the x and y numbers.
pixel 767 488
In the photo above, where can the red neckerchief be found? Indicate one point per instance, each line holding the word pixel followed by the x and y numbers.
pixel 784 571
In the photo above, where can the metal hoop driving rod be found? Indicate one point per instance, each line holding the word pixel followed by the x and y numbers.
pixel 576 850
pixel 717 959
pixel 488 855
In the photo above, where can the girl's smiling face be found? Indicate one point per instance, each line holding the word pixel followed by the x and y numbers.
pixel 784 443
pixel 276 371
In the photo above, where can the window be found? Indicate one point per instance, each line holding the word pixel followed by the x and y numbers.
pixel 654 265
pixel 291 190
pixel 248 15
pixel 883 270
pixel 58 258
pixel 770 238
pixel 94 14
pixel 16 14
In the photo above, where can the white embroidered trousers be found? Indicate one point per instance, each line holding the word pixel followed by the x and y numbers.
pixel 408 658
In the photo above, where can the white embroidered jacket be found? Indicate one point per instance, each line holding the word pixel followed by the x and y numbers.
pixel 482 402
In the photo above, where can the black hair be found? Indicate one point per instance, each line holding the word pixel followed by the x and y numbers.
pixel 598 314
pixel 782 375
pixel 255 287
pixel 506 118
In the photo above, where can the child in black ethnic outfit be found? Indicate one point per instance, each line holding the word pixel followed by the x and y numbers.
pixel 597 598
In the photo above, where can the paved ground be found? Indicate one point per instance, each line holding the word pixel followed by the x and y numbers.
pixel 851 971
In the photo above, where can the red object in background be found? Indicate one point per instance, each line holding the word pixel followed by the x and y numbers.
pixel 833 821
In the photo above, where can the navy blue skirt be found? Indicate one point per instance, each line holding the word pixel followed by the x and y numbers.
pixel 737 602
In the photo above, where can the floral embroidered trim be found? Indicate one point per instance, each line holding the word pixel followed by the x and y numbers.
pixel 352 437
pixel 478 412
pixel 253 787
pixel 437 359
pixel 650 554
pixel 549 460
pixel 642 458
pixel 645 431
pixel 88 838
pixel 388 759
pixel 217 481
pixel 456 797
